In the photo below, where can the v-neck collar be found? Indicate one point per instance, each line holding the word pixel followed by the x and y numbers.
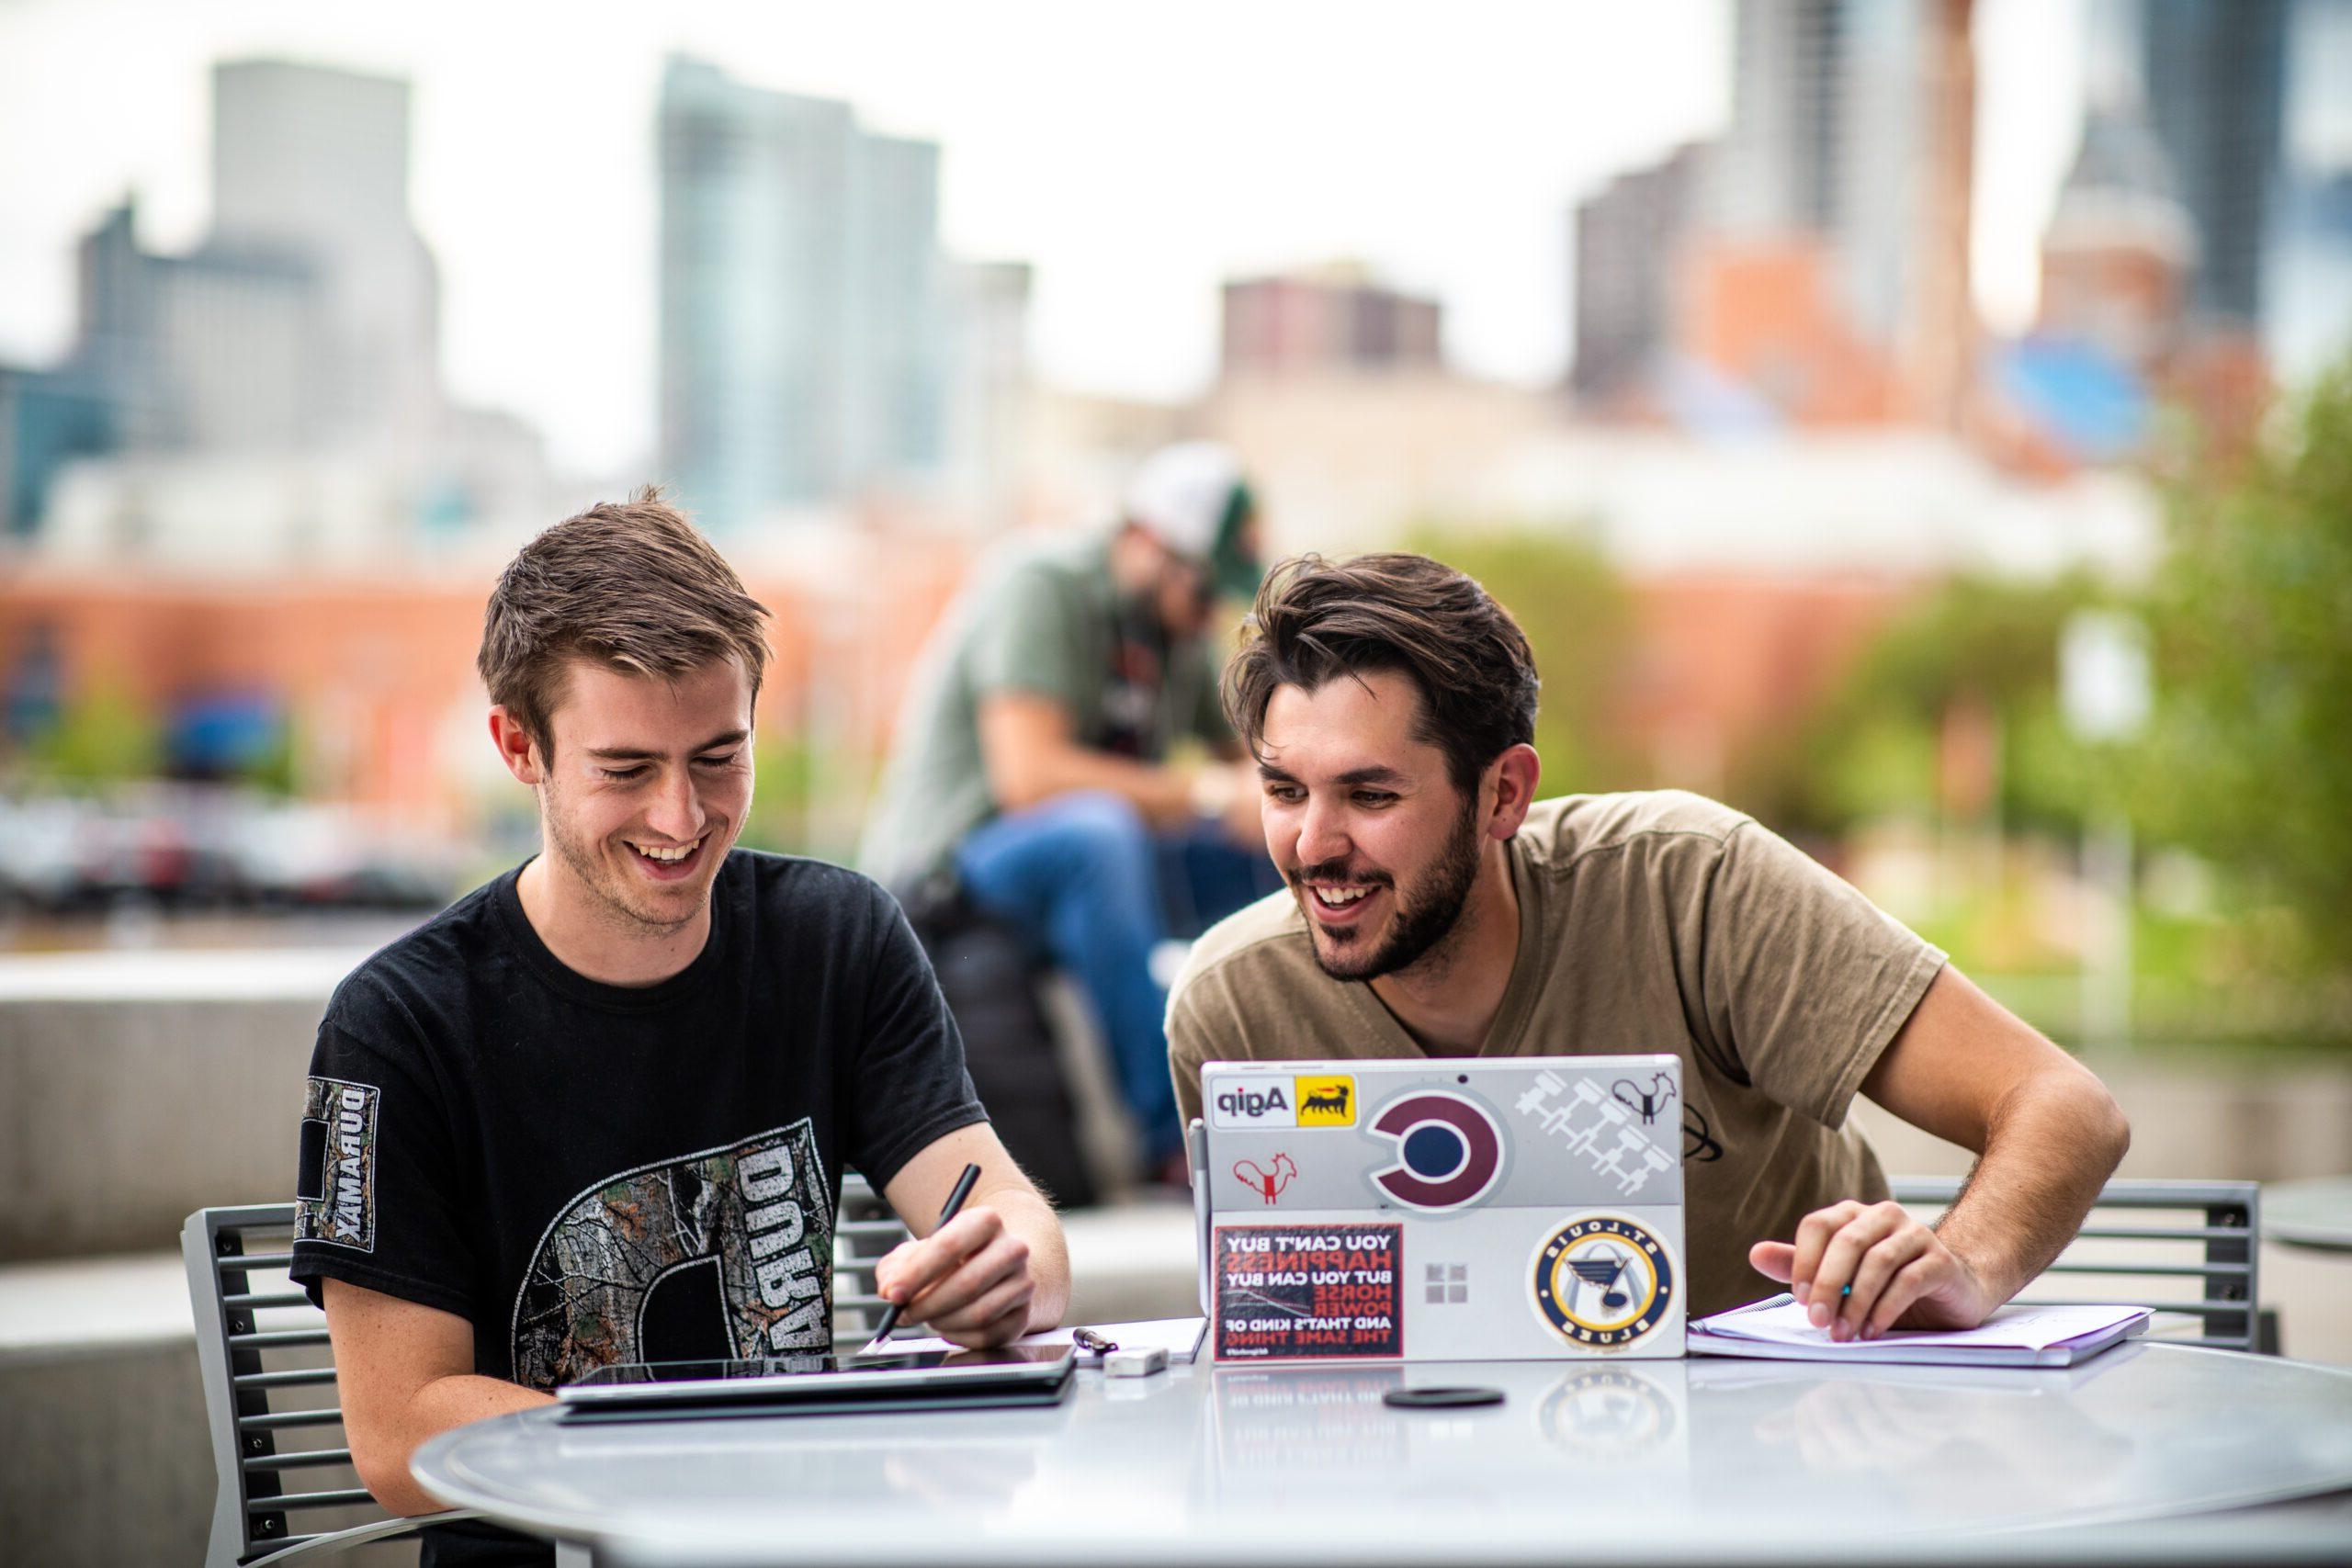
pixel 1390 1040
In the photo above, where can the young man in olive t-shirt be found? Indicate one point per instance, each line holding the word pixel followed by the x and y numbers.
pixel 1434 909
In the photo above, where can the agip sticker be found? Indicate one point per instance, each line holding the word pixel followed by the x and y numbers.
pixel 1324 1101
pixel 1253 1102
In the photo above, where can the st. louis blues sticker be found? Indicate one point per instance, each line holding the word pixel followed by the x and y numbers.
pixel 1602 1281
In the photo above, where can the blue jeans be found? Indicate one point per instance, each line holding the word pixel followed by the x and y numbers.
pixel 1084 878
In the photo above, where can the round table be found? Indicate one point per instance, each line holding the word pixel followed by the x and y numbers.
pixel 1595 1463
pixel 2316 1213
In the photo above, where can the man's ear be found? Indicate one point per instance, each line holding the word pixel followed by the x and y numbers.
pixel 515 747
pixel 1512 776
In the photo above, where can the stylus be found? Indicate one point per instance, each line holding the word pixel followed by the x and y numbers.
pixel 954 1202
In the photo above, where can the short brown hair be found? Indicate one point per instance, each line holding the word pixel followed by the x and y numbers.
pixel 1318 619
pixel 632 586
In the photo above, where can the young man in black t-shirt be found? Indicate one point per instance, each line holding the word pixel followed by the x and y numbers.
pixel 598 1109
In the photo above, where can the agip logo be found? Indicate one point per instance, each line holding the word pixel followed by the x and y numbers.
pixel 1324 1101
pixel 1251 1101
pixel 1603 1281
pixel 1447 1149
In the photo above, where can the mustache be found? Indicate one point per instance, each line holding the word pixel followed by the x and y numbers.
pixel 1337 871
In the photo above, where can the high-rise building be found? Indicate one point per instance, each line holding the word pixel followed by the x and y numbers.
pixel 1628 240
pixel 2213 74
pixel 1330 318
pixel 1777 172
pixel 2307 285
pixel 1852 130
pixel 989 414
pixel 311 165
pixel 223 348
pixel 802 336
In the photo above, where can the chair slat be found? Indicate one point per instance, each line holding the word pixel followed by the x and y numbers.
pixel 2167 1270
pixel 343 1498
pixel 2208 1307
pixel 302 1376
pixel 279 1420
pixel 250 1262
pixel 253 1299
pixel 303 1461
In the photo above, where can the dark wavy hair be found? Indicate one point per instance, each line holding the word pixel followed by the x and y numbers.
pixel 1317 619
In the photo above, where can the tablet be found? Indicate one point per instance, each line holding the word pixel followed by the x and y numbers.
pixel 933 1377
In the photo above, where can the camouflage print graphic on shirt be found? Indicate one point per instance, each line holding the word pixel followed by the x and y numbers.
pixel 759 1209
pixel 336 1198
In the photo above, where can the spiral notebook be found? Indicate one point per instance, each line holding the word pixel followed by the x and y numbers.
pixel 2020 1335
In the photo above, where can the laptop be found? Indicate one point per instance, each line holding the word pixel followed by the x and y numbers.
pixel 1448 1210
pixel 821 1384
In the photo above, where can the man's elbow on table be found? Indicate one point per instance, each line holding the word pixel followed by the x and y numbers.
pixel 381 1459
pixel 405 1371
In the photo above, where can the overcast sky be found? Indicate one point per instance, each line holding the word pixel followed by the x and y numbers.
pixel 1136 154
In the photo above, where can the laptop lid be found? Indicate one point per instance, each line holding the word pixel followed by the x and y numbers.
pixel 1448 1209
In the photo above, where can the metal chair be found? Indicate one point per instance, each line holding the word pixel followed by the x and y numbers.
pixel 2180 1246
pixel 865 1230
pixel 268 1370
pixel 269 1373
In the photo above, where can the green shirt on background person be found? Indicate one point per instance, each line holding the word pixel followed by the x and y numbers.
pixel 1044 620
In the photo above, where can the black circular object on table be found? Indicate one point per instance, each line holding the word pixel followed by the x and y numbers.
pixel 1440 1398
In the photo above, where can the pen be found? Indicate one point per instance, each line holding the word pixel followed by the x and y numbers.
pixel 954 1201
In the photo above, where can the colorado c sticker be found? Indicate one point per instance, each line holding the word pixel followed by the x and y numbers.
pixel 1602 1281
pixel 1449 1151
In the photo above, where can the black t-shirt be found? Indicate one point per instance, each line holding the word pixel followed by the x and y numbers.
pixel 592 1173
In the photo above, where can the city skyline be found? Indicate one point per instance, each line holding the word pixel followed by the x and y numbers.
pixel 1461 201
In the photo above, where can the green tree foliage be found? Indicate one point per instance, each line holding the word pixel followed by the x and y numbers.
pixel 2251 758
pixel 105 736
pixel 1578 619
pixel 1874 747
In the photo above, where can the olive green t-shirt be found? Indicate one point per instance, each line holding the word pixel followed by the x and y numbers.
pixel 1648 922
pixel 1041 620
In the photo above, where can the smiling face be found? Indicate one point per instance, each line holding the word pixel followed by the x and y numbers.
pixel 641 794
pixel 1380 847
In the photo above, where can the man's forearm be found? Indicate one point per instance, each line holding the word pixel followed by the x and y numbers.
pixel 1030 1217
pixel 432 1409
pixel 2052 1144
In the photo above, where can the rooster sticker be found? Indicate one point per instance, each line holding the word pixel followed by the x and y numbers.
pixel 1266 1184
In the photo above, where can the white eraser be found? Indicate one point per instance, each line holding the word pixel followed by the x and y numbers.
pixel 1136 1363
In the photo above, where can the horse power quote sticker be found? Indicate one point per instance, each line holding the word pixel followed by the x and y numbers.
pixel 1309 1293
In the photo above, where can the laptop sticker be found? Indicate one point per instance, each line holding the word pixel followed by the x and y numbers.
pixel 1326 1101
pixel 1267 1180
pixel 1447 1150
pixel 1309 1293
pixel 1604 1131
pixel 1254 1102
pixel 1602 1281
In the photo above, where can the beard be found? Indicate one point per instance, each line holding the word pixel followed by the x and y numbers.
pixel 1425 915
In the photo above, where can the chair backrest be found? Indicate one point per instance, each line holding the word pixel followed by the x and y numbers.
pixel 2175 1246
pixel 269 1390
pixel 865 1230
pixel 269 1385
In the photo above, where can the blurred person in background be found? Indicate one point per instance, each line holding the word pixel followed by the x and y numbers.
pixel 597 1111
pixel 1436 908
pixel 1030 773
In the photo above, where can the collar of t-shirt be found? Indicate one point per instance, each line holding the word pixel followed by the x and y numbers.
pixel 572 985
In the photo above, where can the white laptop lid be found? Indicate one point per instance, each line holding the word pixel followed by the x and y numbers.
pixel 1449 1209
